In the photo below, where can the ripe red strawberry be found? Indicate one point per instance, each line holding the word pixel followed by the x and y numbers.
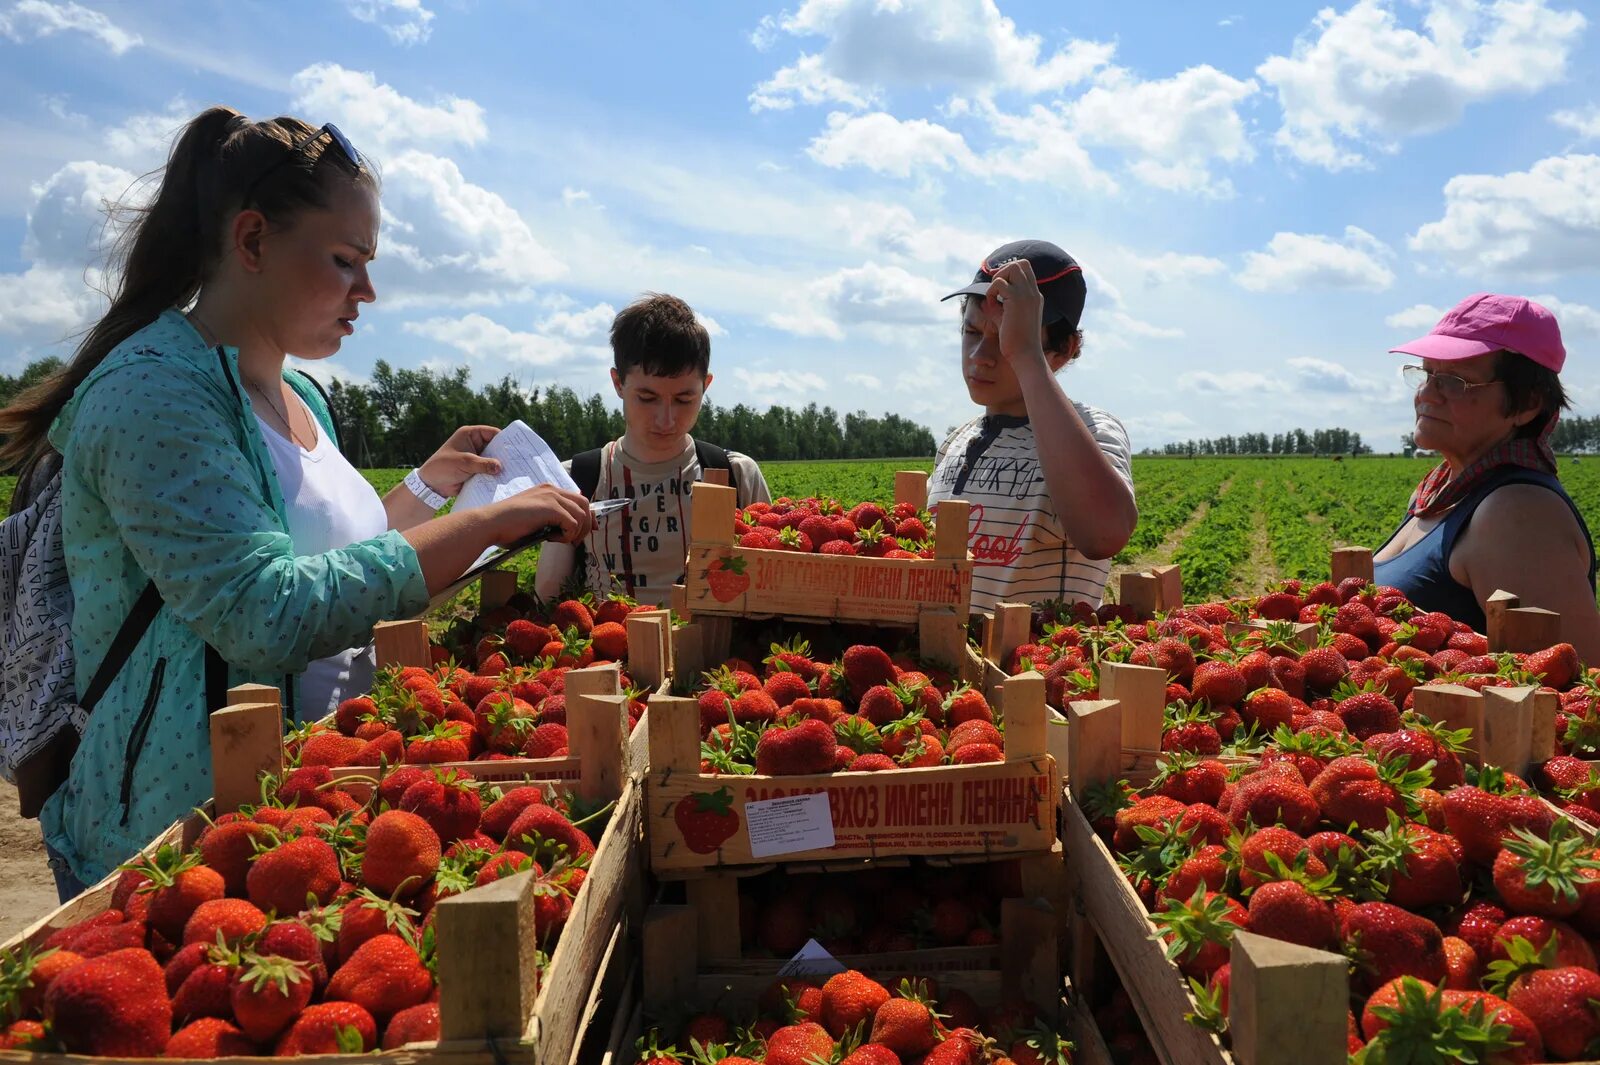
pixel 445 742
pixel 280 879
pixel 1267 709
pixel 1151 811
pixel 1546 877
pixel 1563 1004
pixel 873 1054
pixel 1557 667
pixel 1389 942
pixel 1197 931
pixel 786 688
pixel 414 1024
pixel 865 666
pixel 1190 780
pixel 207 1038
pixel 1354 790
pixel 329 1028
pixel 975 754
pixel 1368 713
pixel 1219 683
pixel 807 747
pixel 232 919
pixel 296 940
pixel 383 976
pixel 1271 798
pixel 572 614
pixel 1570 947
pixel 905 1024
pixel 547 834
pixel 177 884
pixel 353 712
pixel 1255 868
pixel 1325 668
pixel 1286 910
pixel 228 848
pixel 1481 820
pixel 800 1044
pixel 402 855
pixel 848 999
pixel 1420 866
pixel 208 989
pixel 1523 1041
pixel 447 802
pixel 1278 606
pixel 500 815
pixel 268 993
pixel 115 1005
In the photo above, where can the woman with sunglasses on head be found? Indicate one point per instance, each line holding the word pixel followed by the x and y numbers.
pixel 1493 514
pixel 201 487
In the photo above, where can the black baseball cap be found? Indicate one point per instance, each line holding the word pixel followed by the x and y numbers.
pixel 1059 275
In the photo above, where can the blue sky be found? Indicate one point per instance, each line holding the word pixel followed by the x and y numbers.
pixel 1265 195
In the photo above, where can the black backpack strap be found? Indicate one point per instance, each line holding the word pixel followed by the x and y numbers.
pixel 586 471
pixel 327 401
pixel 144 611
pixel 713 457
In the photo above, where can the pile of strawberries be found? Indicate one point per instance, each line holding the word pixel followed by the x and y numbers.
pixel 867 711
pixel 852 1019
pixel 512 706
pixel 876 911
pixel 1466 901
pixel 825 527
pixel 302 926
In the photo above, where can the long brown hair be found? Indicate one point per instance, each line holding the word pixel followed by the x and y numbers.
pixel 173 243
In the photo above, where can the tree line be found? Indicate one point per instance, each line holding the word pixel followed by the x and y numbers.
pixel 403 415
pixel 398 419
pixel 1293 442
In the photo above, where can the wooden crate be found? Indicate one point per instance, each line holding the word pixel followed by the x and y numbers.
pixel 494 1006
pixel 714 895
pixel 724 578
pixel 1286 1003
pixel 404 643
pixel 996 810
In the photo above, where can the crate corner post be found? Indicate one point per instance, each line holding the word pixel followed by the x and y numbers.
pixel 1287 1003
pixel 488 980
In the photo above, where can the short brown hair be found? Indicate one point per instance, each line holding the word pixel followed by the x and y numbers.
pixel 660 335
pixel 1530 385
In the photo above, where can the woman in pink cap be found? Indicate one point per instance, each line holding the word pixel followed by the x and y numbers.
pixel 1493 514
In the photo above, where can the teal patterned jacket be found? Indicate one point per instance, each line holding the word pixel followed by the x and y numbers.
pixel 166 477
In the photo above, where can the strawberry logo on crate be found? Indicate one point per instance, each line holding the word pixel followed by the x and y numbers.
pixel 706 820
pixel 727 578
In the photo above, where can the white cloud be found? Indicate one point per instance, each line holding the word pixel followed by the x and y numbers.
pixel 863 380
pixel 1575 318
pixel 487 342
pixel 874 294
pixel 379 117
pixel 1172 267
pixel 808 83
pixel 145 139
pixel 767 382
pixel 1296 261
pixel 888 145
pixel 1360 80
pixel 1585 121
pixel 1048 149
pixel 712 327
pixel 1173 129
pixel 44 304
pixel 1235 383
pixel 1537 222
pixel 1322 376
pixel 1420 316
pixel 581 325
pixel 405 21
pixel 68 226
pixel 570 196
pixel 32 19
pixel 916 43
pixel 447 240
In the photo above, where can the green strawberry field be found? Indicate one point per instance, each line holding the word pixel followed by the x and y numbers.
pixel 1233 524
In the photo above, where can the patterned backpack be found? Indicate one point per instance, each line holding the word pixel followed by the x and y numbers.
pixel 41 715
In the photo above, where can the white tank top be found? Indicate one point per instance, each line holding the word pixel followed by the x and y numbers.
pixel 329 505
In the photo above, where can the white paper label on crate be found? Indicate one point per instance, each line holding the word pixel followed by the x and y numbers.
pixel 790 824
pixel 812 960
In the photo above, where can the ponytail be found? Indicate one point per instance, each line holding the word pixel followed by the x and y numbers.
pixel 171 245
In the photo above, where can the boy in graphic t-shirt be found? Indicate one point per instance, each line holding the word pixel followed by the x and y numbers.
pixel 1048 478
pixel 662 357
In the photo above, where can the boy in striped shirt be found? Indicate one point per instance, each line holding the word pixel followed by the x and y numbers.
pixel 1048 477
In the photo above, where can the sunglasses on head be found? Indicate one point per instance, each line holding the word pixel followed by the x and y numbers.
pixel 340 141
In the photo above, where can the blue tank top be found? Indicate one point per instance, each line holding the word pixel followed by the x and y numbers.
pixel 1422 571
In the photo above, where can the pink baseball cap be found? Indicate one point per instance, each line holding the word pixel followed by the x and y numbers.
pixel 1484 323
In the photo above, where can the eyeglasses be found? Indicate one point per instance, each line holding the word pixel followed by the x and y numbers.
pixel 1449 385
pixel 340 141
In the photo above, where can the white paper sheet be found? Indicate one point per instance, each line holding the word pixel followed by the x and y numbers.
pixel 526 461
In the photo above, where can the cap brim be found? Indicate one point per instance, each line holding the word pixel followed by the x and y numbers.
pixel 977 288
pixel 1445 348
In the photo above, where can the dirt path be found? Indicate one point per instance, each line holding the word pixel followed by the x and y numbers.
pixel 1162 553
pixel 1262 568
pixel 27 890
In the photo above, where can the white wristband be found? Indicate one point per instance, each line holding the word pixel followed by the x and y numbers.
pixel 419 488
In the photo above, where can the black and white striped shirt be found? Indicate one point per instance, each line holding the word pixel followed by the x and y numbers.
pixel 1020 553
